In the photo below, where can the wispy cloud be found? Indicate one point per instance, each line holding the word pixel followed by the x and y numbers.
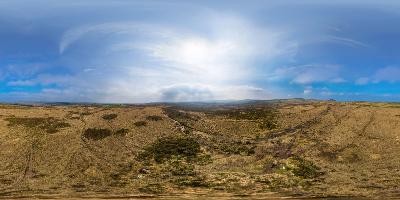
pixel 307 74
pixel 181 64
pixel 362 81
pixel 345 41
pixel 21 83
pixel 112 28
pixel 386 74
pixel 390 74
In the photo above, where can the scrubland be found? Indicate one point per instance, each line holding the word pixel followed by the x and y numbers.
pixel 289 148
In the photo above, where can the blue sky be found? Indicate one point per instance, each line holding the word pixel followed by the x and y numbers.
pixel 143 51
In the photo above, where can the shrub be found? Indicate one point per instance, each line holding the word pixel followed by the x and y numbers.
pixel 304 168
pixel 155 188
pixel 183 118
pixel 50 124
pixel 179 115
pixel 181 168
pixel 122 131
pixel 265 117
pixel 192 181
pixel 96 133
pixel 140 123
pixel 164 148
pixel 268 124
pixel 236 148
pixel 109 116
pixel 154 118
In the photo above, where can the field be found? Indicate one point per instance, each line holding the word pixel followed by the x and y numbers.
pixel 293 148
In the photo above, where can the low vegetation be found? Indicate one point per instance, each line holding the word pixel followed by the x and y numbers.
pixel 140 123
pixel 49 124
pixel 236 148
pixel 192 181
pixel 97 133
pixel 152 188
pixel 265 117
pixel 177 115
pixel 304 168
pixel 165 148
pixel 184 118
pixel 317 150
pixel 109 116
pixel 121 131
pixel 154 118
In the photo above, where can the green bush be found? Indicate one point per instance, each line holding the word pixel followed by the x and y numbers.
pixel 305 168
pixel 109 116
pixel 152 188
pixel 165 148
pixel 122 131
pixel 181 168
pixel 140 123
pixel 154 118
pixel 50 124
pixel 236 148
pixel 268 124
pixel 192 181
pixel 96 133
pixel 179 115
pixel 265 117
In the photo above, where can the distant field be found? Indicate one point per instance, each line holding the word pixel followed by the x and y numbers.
pixel 249 150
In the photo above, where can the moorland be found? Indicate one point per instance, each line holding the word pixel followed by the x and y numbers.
pixel 292 148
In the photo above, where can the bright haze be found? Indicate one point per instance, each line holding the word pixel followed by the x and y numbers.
pixel 145 51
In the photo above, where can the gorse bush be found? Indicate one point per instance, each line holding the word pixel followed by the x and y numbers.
pixel 266 118
pixel 166 148
pixel 97 133
pixel 236 148
pixel 183 118
pixel 140 123
pixel 154 118
pixel 247 114
pixel 122 131
pixel 152 188
pixel 49 124
pixel 192 181
pixel 179 115
pixel 109 116
pixel 304 168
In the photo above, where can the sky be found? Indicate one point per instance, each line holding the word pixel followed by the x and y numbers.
pixel 138 51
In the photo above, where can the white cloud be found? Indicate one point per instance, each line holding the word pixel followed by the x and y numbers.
pixel 112 28
pixel 345 41
pixel 385 74
pixel 21 83
pixel 308 90
pixel 390 74
pixel 306 74
pixel 176 63
pixel 211 92
pixel 362 81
